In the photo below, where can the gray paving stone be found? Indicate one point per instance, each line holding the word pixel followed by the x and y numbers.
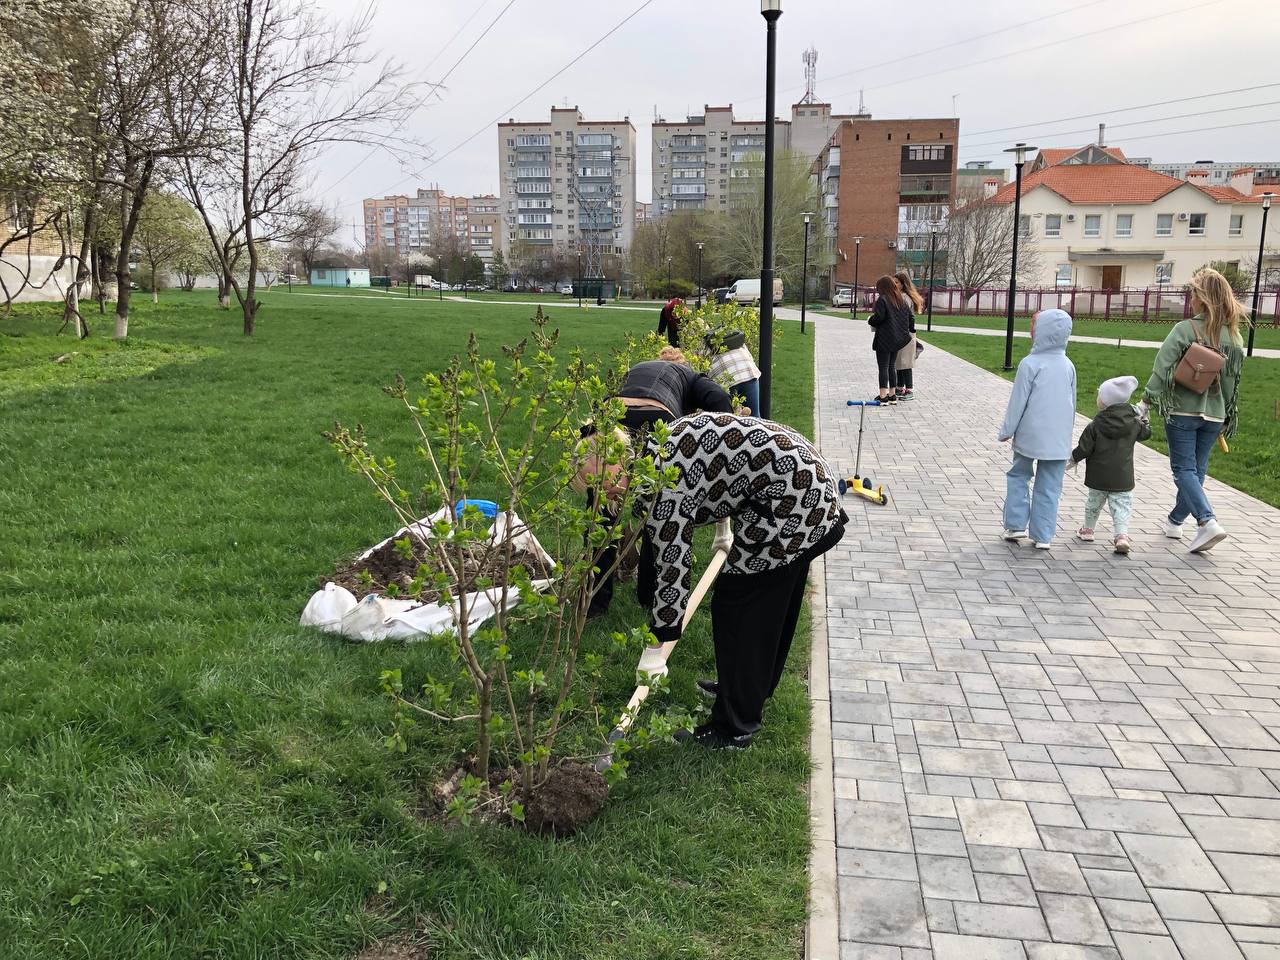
pixel 946 878
pixel 1054 872
pixel 874 826
pixel 954 761
pixel 1210 940
pixel 1003 888
pixel 950 947
pixel 943 843
pixel 1236 834
pixel 1069 951
pixel 996 860
pixel 1251 911
pixel 869 951
pixel 876 863
pixel 1000 823
pixel 1184 905
pixel 1001 921
pixel 1132 816
pixel 1115 884
pixel 1173 862
pixel 1098 842
pixel 940 916
pixel 1145 946
pixel 1231 781
pixel 1074 919
pixel 1134 916
pixel 1246 873
pixel 882 911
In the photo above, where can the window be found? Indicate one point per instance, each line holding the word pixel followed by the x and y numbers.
pixel 1196 227
pixel 1124 225
pixel 1237 225
pixel 1052 223
pixel 595 140
pixel 1164 224
pixel 1164 273
pixel 1093 225
pixel 533 140
pixel 928 152
pixel 321 274
pixel 1063 276
pixel 1024 225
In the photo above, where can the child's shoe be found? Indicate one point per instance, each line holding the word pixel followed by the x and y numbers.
pixel 1085 534
pixel 1122 543
pixel 906 395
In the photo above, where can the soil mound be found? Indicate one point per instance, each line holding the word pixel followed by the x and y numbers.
pixel 389 565
pixel 570 798
pixel 406 945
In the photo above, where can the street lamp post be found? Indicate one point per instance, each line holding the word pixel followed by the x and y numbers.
pixel 1019 151
pixel 804 271
pixel 579 279
pixel 1257 274
pixel 853 300
pixel 771 10
pixel 933 249
pixel 699 245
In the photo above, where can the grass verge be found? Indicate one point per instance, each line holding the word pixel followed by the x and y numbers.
pixel 1253 465
pixel 186 773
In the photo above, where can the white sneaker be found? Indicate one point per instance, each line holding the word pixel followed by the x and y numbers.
pixel 1208 536
pixel 1013 536
pixel 1171 530
pixel 1043 546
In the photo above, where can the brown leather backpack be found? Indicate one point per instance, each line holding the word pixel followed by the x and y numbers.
pixel 1200 364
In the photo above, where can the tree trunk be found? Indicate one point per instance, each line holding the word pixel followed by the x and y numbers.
pixel 71 314
pixel 131 198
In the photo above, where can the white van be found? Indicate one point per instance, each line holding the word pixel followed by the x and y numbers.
pixel 748 291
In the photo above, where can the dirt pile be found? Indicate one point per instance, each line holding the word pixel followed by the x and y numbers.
pixel 406 945
pixel 571 797
pixel 389 565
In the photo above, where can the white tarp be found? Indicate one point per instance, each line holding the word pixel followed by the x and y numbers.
pixel 336 610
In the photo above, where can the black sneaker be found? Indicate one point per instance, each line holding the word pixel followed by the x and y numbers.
pixel 708 688
pixel 879 399
pixel 711 738
pixel 891 398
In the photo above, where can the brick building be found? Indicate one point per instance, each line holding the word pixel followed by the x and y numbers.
pixel 886 181
pixel 433 220
pixel 27 264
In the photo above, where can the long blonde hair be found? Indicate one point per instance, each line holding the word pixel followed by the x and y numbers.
pixel 909 290
pixel 1218 306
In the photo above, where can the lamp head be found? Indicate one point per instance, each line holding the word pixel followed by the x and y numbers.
pixel 699 244
pixel 1020 151
pixel 857 241
pixel 768 7
pixel 807 216
pixel 1266 200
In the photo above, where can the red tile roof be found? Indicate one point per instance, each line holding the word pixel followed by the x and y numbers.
pixel 1055 155
pixel 1227 194
pixel 1096 183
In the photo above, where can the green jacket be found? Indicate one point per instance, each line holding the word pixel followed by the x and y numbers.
pixel 1219 401
pixel 1107 444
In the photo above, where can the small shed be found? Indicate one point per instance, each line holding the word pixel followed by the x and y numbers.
pixel 340 277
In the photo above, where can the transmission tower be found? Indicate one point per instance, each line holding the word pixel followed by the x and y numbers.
pixel 810 58
pixel 595 194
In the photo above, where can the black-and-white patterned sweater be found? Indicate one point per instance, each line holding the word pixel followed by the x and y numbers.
pixel 771 480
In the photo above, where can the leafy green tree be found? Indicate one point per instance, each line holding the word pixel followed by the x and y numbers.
pixel 500 271
pixel 169 231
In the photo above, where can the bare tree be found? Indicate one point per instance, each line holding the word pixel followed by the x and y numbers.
pixel 296 83
pixel 979 245
pixel 314 225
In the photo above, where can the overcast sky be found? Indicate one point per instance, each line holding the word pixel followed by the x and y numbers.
pixel 676 55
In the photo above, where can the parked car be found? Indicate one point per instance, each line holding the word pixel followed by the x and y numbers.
pixel 535 288
pixel 843 297
pixel 720 295
pixel 565 289
pixel 290 278
pixel 748 291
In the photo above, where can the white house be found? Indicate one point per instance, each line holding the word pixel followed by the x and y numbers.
pixel 1100 222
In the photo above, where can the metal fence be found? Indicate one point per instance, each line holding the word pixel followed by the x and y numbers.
pixel 1152 305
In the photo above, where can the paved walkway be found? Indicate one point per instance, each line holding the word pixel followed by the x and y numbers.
pixel 1107 341
pixel 1053 756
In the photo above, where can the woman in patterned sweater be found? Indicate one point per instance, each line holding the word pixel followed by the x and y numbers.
pixel 782 497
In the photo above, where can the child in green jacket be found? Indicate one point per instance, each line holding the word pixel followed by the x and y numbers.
pixel 1107 445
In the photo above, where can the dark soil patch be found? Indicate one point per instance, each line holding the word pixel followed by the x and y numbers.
pixel 405 945
pixel 571 797
pixel 388 565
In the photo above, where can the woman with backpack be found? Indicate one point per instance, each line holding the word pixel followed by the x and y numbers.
pixel 1195 387
pixel 906 360
pixel 891 319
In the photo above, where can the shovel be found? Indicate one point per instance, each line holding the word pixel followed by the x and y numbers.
pixel 654 659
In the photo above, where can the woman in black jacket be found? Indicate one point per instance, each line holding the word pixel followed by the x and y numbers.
pixel 891 320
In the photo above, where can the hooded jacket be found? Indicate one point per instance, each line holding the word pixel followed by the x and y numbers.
pixel 1042 409
pixel 1107 447
pixel 893 326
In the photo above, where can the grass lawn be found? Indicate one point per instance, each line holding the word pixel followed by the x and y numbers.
pixel 187 773
pixel 1265 336
pixel 1253 465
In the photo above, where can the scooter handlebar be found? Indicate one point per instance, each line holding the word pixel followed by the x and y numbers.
pixel 862 403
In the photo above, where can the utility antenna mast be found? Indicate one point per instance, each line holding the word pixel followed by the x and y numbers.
pixel 596 167
pixel 810 58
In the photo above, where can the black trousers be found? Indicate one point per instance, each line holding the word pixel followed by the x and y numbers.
pixel 888 373
pixel 634 421
pixel 753 620
pixel 905 378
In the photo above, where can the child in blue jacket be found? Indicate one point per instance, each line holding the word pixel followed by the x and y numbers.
pixel 1040 421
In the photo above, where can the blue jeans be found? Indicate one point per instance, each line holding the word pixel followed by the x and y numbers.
pixel 1037 512
pixel 749 390
pixel 1191 440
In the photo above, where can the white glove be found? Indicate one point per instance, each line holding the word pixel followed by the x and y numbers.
pixel 652 663
pixel 1143 410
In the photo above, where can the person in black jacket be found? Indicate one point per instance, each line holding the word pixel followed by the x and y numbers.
pixel 655 391
pixel 1107 446
pixel 891 319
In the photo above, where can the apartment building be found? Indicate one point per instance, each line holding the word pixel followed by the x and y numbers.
pixel 886 182
pixel 433 220
pixel 1099 221
pixel 642 212
pixel 568 182
pixel 979 179
pixel 1215 173
pixel 31 268
pixel 695 160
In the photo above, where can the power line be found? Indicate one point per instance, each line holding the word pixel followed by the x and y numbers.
pixel 511 109
pixel 1133 123
pixel 1178 133
pixel 1141 106
pixel 1041 46
pixel 435 86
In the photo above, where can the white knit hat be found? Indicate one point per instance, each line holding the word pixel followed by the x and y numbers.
pixel 1117 390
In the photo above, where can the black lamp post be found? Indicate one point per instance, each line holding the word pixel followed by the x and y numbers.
pixel 668 271
pixel 771 10
pixel 933 249
pixel 804 271
pixel 1257 274
pixel 699 246
pixel 579 279
pixel 853 300
pixel 1019 151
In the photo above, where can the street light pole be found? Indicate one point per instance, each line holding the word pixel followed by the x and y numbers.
pixel 699 245
pixel 668 271
pixel 771 10
pixel 1020 151
pixel 853 300
pixel 933 249
pixel 804 272
pixel 1257 273
pixel 579 279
